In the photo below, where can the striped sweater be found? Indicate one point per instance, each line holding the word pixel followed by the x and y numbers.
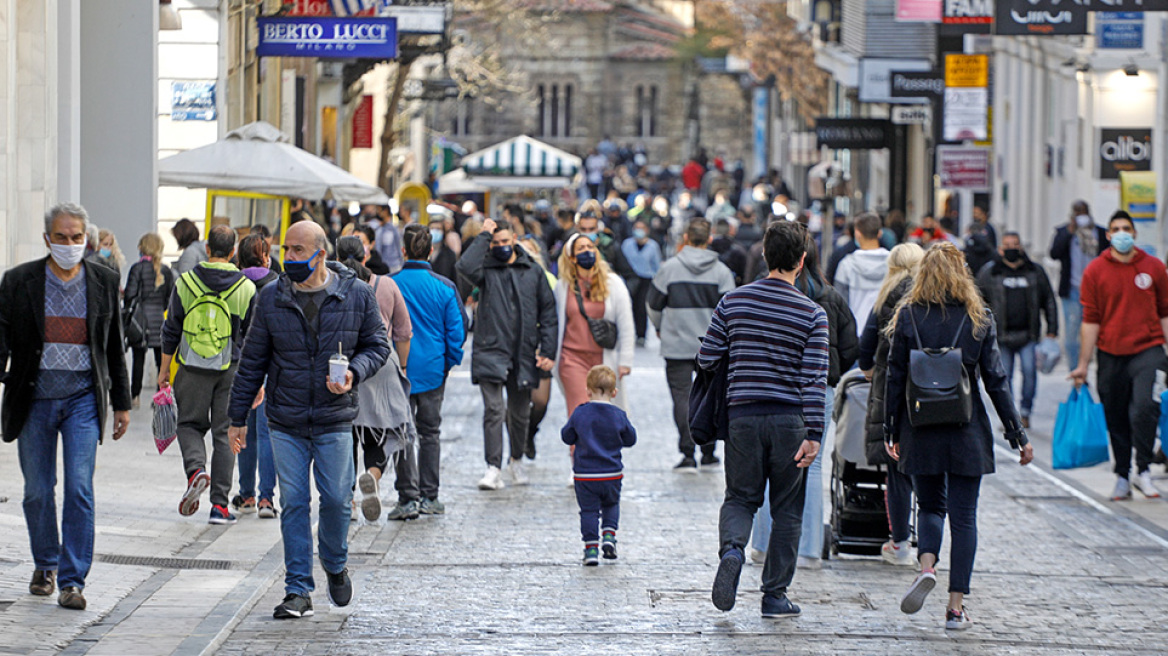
pixel 777 341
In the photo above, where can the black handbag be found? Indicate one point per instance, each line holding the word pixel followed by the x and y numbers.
pixel 603 331
pixel 938 391
pixel 132 328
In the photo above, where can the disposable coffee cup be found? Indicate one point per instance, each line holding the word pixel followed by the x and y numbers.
pixel 338 366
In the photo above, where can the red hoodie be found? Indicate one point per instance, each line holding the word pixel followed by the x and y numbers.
pixel 1127 300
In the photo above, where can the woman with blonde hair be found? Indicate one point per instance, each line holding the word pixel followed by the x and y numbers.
pixel 944 310
pixel 589 289
pixel 902 266
pixel 107 251
pixel 148 289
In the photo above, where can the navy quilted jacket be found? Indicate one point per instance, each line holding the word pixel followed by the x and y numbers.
pixel 280 346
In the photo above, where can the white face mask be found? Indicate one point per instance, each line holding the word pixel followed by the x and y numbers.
pixel 66 256
pixel 1083 220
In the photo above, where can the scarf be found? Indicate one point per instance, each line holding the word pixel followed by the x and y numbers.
pixel 1087 241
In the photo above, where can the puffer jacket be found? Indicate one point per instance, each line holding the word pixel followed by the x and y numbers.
pixel 516 316
pixel 152 301
pixel 841 329
pixel 874 355
pixel 281 347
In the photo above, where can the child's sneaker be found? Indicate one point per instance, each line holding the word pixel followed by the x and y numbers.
pixel 957 620
pixel 591 555
pixel 608 545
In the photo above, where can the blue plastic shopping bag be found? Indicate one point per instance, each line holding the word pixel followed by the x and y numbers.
pixel 1163 418
pixel 1080 432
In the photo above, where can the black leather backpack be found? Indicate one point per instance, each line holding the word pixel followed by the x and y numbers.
pixel 938 391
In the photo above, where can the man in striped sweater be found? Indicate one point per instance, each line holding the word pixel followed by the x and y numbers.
pixel 776 340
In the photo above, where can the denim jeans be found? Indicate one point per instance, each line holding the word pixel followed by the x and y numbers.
pixel 1072 320
pixel 75 418
pixel 258 452
pixel 1025 356
pixel 761 450
pixel 330 457
pixel 427 407
pixel 956 496
pixel 811 542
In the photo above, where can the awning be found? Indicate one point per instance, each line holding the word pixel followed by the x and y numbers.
pixel 521 156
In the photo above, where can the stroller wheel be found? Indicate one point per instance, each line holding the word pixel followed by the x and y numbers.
pixel 827 542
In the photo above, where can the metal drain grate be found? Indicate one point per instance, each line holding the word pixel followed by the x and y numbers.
pixel 165 563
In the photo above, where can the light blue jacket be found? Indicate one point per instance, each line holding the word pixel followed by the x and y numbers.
pixel 439 329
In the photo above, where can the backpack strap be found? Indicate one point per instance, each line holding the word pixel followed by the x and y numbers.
pixel 916 331
pixel 960 327
pixel 376 282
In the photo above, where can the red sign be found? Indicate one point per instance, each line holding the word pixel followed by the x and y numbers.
pixel 964 167
pixel 317 8
pixel 363 123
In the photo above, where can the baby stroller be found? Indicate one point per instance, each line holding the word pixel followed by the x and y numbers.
pixel 859 519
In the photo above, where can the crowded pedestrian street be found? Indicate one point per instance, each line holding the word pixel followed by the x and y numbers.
pixel 1059 569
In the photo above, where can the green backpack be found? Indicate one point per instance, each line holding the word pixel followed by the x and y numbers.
pixel 207 328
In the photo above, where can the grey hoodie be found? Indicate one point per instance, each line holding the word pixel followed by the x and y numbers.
pixel 682 299
pixel 858 280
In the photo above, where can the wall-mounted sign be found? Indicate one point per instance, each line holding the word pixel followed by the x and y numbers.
pixel 192 101
pixel 1018 17
pixel 876 79
pixel 907 84
pixel 363 123
pixel 965 114
pixel 964 167
pixel 853 133
pixel 1100 6
pixel 967 16
pixel 912 114
pixel 918 11
pixel 967 70
pixel 1124 149
pixel 1119 30
pixel 1137 194
pixel 338 38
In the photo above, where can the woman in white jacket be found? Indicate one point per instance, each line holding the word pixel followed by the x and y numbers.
pixel 603 294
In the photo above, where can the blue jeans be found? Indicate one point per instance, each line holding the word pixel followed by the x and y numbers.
pixel 811 542
pixel 75 418
pixel 1072 320
pixel 1025 355
pixel 258 452
pixel 330 457
pixel 956 496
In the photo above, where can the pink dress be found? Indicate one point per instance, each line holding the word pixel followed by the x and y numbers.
pixel 580 352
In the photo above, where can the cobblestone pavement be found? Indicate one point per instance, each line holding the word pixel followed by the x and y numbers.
pixel 1058 570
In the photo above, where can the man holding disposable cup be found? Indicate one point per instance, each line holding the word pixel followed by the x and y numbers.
pixel 316 311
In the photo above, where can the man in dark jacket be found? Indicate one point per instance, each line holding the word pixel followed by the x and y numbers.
pixel 61 339
pixel 980 240
pixel 299 322
pixel 730 252
pixel 514 334
pixel 1075 245
pixel 1019 293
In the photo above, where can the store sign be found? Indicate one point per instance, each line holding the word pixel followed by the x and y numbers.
pixel 1124 149
pixel 965 114
pixel 912 115
pixel 964 167
pixel 342 38
pixel 918 11
pixel 1019 18
pixel 967 16
pixel 1137 194
pixel 363 123
pixel 967 70
pixel 907 84
pixel 1119 30
pixel 853 133
pixel 1101 6
pixel 192 101
pixel 876 79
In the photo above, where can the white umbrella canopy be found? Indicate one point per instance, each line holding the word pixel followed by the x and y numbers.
pixel 258 158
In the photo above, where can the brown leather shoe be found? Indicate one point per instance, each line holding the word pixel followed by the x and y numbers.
pixel 71 597
pixel 44 581
pixel 1026 422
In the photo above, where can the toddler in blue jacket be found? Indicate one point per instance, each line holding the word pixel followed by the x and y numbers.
pixel 596 432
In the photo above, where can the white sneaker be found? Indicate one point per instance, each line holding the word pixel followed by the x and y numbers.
pixel 757 557
pixel 515 469
pixel 806 562
pixel 493 480
pixel 1143 483
pixel 897 553
pixel 1122 490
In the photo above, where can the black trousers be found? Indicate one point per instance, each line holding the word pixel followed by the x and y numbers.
pixel 680 374
pixel 639 291
pixel 1125 384
pixel 139 364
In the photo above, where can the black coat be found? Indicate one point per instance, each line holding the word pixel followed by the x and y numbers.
pixel 152 301
pixel 873 341
pixel 965 450
pixel 1060 249
pixel 1039 301
pixel 516 315
pixel 22 336
pixel 843 345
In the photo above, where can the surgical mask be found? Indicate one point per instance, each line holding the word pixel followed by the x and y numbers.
pixel 593 236
pixel 1012 254
pixel 586 260
pixel 640 234
pixel 1083 220
pixel 66 256
pixel 300 270
pixel 1123 242
pixel 435 236
pixel 502 253
pixel 105 252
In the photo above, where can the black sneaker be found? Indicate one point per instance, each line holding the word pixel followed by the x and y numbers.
pixel 710 460
pixel 687 466
pixel 608 546
pixel 294 606
pixel 726 581
pixel 340 588
pixel 774 607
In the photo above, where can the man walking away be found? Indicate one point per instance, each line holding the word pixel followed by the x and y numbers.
pixel 63 362
pixel 644 258
pixel 1075 245
pixel 514 334
pixel 860 274
pixel 684 294
pixel 776 342
pixel 1125 314
pixel 300 321
pixel 205 326
pixel 1019 293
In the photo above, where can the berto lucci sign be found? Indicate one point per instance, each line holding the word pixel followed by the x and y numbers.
pixel 339 38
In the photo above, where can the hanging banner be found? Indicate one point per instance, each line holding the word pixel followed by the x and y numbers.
pixel 1019 18
pixel 967 16
pixel 964 167
pixel 1137 193
pixel 918 11
pixel 192 101
pixel 341 38
pixel 363 123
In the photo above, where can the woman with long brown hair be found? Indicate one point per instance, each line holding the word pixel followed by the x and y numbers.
pixel 944 309
pixel 148 290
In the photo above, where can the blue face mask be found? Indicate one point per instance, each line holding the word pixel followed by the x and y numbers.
pixel 586 260
pixel 1123 242
pixel 105 252
pixel 299 271
pixel 435 236
pixel 640 234
pixel 502 253
pixel 594 236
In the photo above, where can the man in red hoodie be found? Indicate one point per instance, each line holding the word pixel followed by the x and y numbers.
pixel 1125 313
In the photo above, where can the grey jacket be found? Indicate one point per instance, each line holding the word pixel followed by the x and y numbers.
pixel 682 299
